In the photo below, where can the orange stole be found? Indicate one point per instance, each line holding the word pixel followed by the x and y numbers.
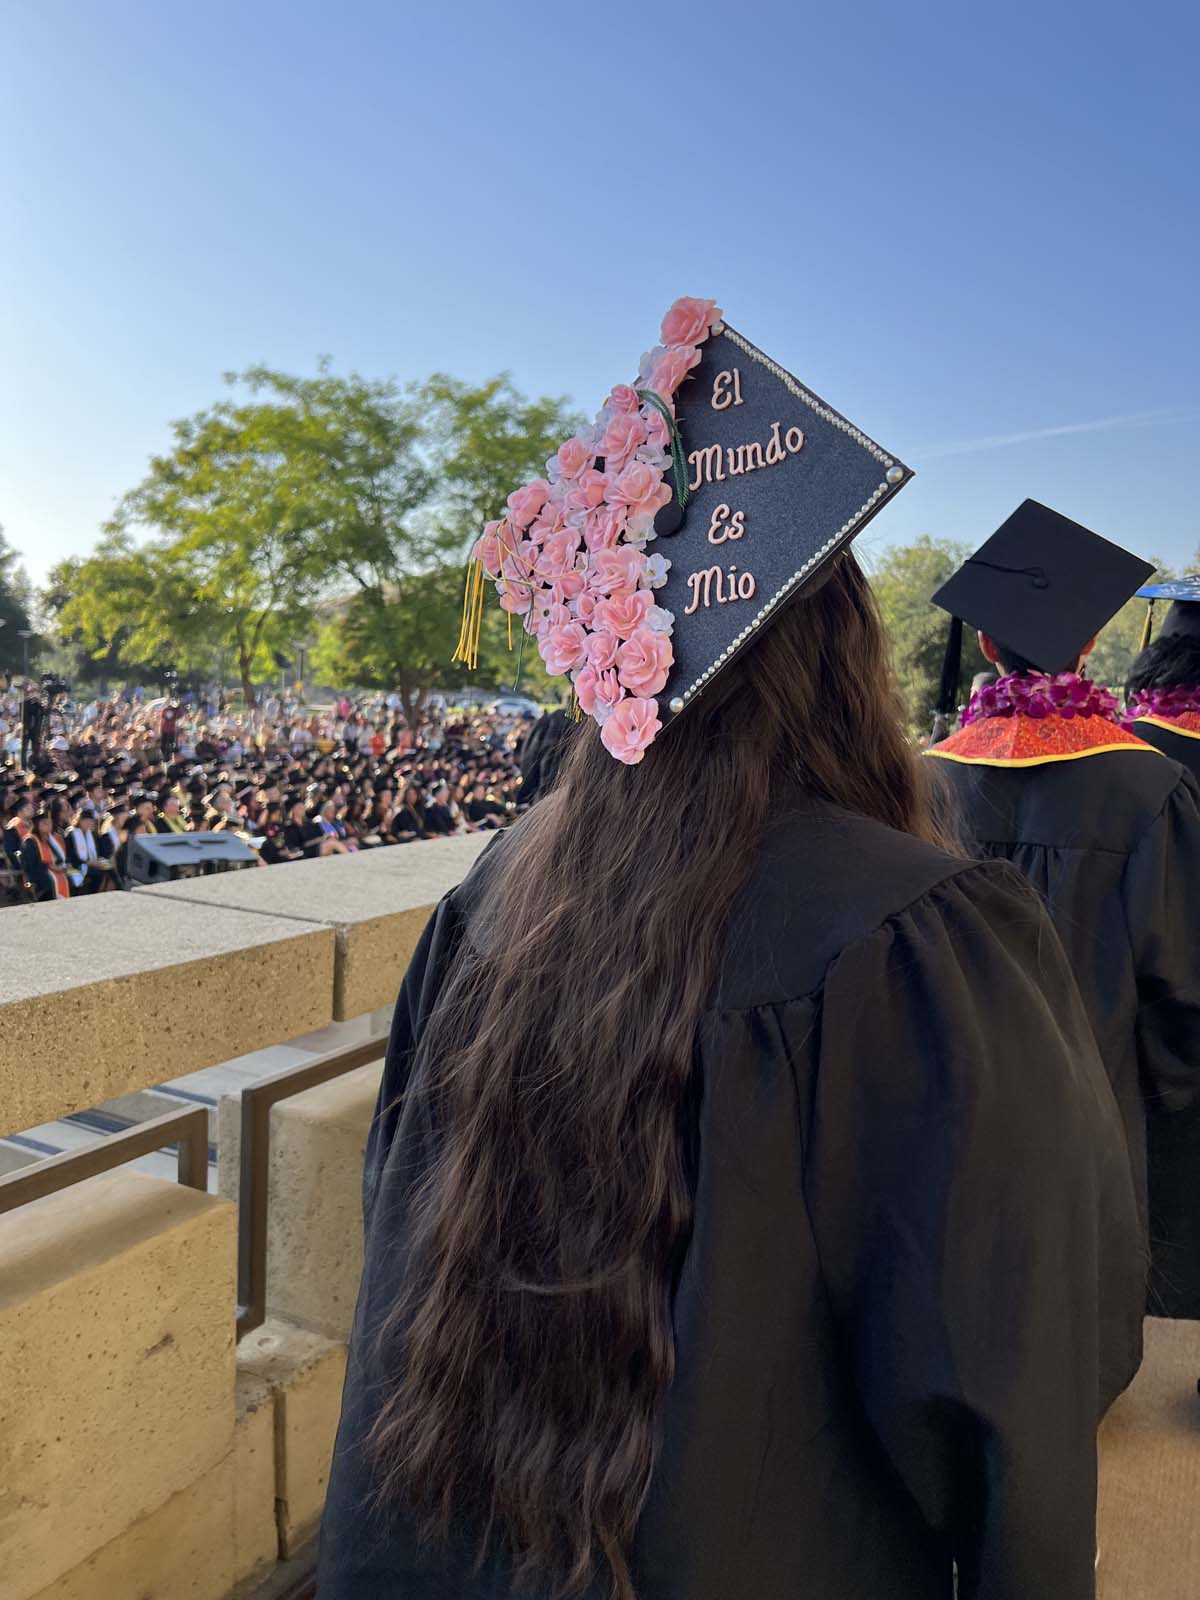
pixel 1035 741
pixel 1187 723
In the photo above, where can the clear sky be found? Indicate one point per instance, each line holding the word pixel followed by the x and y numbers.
pixel 974 229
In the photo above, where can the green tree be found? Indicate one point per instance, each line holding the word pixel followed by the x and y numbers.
pixel 903 579
pixel 417 474
pixel 15 600
pixel 1120 640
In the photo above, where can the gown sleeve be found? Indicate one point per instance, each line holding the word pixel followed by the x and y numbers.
pixel 972 1200
pixel 418 994
pixel 1162 908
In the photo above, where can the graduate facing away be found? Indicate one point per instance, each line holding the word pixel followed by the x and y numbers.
pixel 748 1213
pixel 1105 826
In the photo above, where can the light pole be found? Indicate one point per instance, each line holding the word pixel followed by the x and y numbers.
pixel 25 634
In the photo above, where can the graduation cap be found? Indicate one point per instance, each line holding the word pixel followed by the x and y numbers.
pixel 1041 587
pixel 1184 615
pixel 707 495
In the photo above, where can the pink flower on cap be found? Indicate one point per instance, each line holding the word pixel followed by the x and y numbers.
pixel 623 399
pixel 644 661
pixel 630 727
pixel 642 492
pixel 603 527
pixel 672 367
pixel 658 435
pixel 624 436
pixel 602 647
pixel 584 609
pixel 597 692
pixel 517 598
pixel 574 457
pixel 524 504
pixel 569 586
pixel 689 321
pixel 562 647
pixel 624 612
pixel 487 550
pixel 587 491
pixel 617 568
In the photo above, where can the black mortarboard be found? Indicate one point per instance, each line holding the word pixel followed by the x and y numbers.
pixel 778 483
pixel 1042 585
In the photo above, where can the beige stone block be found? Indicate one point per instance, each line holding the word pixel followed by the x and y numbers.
pixel 182 1551
pixel 117 1364
pixel 377 902
pixel 255 1536
pixel 133 989
pixel 314 1238
pixel 1149 1525
pixel 305 1373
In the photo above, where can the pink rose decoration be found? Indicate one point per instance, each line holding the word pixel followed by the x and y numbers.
pixel 623 438
pixel 624 612
pixel 598 692
pixel 584 609
pixel 602 648
pixel 672 367
pixel 658 435
pixel 629 728
pixel 642 491
pixel 623 399
pixel 617 568
pixel 562 647
pixel 568 587
pixel 689 321
pixel 524 504
pixel 487 550
pixel 549 520
pixel 588 490
pixel 644 661
pixel 517 598
pixel 557 555
pixel 574 457
pixel 603 527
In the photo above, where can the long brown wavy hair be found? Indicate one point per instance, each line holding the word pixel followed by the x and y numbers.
pixel 532 1347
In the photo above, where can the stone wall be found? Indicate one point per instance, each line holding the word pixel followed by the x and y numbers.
pixel 143 1452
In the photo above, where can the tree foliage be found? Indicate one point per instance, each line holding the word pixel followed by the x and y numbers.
pixel 903 580
pixel 303 500
pixel 15 599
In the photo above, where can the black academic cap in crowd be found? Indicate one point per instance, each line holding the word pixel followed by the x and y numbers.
pixel 1043 585
pixel 1184 615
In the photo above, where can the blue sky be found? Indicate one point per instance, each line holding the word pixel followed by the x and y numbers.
pixel 974 230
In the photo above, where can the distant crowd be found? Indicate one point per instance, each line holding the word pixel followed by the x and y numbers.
pixel 292 782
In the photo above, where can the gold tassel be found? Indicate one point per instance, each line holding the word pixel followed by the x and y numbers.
pixel 467 649
pixel 1148 625
pixel 508 614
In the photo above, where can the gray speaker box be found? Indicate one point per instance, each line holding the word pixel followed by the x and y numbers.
pixel 161 857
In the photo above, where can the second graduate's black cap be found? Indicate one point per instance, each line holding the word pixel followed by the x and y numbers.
pixel 1043 585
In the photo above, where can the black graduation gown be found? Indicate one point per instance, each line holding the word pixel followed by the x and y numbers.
pixel 1112 842
pixel 1180 746
pixel 915 1277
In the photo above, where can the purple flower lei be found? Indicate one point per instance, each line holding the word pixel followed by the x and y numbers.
pixel 1029 694
pixel 1164 702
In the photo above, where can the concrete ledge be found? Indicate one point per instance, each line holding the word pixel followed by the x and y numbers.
pixel 255 1539
pixel 1149 1522
pixel 305 1374
pixel 314 1239
pixel 117 1366
pixel 110 994
pixel 377 902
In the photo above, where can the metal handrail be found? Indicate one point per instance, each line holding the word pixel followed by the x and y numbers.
pixel 186 1129
pixel 254 1163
